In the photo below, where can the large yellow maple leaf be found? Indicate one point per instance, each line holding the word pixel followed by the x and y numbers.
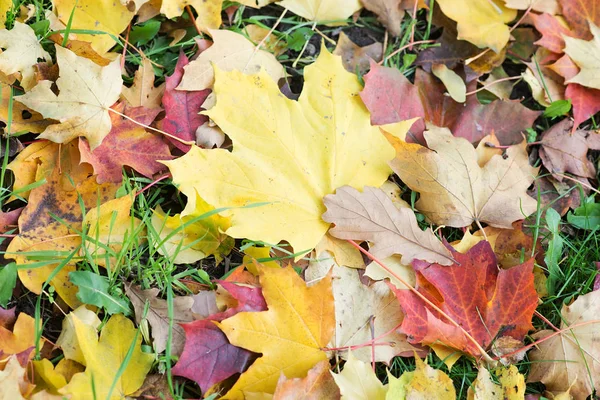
pixel 287 154
pixel 300 321
pixel 104 358
pixel 587 57
pixel 87 90
pixel 208 11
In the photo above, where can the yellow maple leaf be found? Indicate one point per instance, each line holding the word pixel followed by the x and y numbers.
pixel 230 51
pixel 21 338
pixel 481 22
pixel 457 191
pixel 424 382
pixel 34 124
pixel 108 16
pixel 209 11
pixel 51 378
pixel 22 51
pixel 586 54
pixel 300 321
pixel 512 385
pixel 287 154
pixel 358 381
pixel 104 357
pixel 187 239
pixel 109 227
pixel 87 90
pixel 322 10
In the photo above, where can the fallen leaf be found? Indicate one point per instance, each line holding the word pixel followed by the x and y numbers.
pixel 562 152
pixel 389 12
pixel 34 123
pixel 361 313
pixel 208 357
pixel 20 338
pixel 13 380
pixel 324 11
pixel 143 93
pixel 553 32
pixel 182 108
pixel 454 84
pixel 8 219
pixel 586 102
pixel 579 14
pixel 318 384
pixel 424 382
pixel 208 12
pixel 485 302
pixel 481 22
pixel 587 57
pixel 158 316
pixel 569 360
pixel 356 59
pixel 269 40
pixel 109 227
pixel 51 378
pixel 292 181
pixel 187 239
pixel 127 144
pixel 21 51
pixel 542 6
pixel 86 92
pixel 344 253
pixel 372 216
pixel 290 335
pixel 104 357
pixel 512 385
pixel 96 15
pixel 462 192
pixel 68 340
pixel 230 52
pixel 358 381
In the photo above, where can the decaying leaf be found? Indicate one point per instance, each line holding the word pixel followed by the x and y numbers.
pixel 158 316
pixel 512 385
pixel 485 302
pixel 455 190
pixel 143 93
pixel 290 335
pixel 356 58
pixel 372 216
pixel 290 182
pixel 362 313
pixel 569 360
pixel 424 383
pixel 230 51
pixel 86 92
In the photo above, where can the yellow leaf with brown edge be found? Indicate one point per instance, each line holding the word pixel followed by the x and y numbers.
pixel 318 384
pixel 188 238
pixel 208 11
pixel 21 338
pixel 40 231
pixel 35 123
pixel 481 22
pixel 109 16
pixel 110 226
pixel 287 155
pixel 455 190
pixel 87 90
pixel 300 321
pixel 104 356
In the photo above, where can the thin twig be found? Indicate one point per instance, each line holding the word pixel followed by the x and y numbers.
pixel 191 14
pixel 510 78
pixel 188 142
pixel 393 53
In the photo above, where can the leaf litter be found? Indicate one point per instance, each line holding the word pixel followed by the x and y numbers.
pixel 308 199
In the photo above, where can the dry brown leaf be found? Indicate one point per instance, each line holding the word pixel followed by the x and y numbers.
pixel 158 316
pixel 570 359
pixel 455 190
pixel 317 385
pixel 143 93
pixel 372 216
pixel 356 58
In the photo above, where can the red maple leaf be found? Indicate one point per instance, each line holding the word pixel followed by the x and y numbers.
pixel 127 144
pixel 182 107
pixel 486 302
pixel 208 357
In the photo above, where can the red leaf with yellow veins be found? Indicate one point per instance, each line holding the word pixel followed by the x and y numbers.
pixel 182 107
pixel 486 302
pixel 127 144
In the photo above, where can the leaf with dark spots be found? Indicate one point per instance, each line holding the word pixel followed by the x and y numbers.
pixel 182 107
pixel 127 144
pixel 486 302
pixel 51 222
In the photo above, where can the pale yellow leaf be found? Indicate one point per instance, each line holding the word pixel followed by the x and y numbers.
pixel 322 10
pixel 454 84
pixel 358 381
pixel 587 57
pixel 68 340
pixel 512 385
pixel 208 11
pixel 21 52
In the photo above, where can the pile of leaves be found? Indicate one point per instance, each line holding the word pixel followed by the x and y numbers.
pixel 214 199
